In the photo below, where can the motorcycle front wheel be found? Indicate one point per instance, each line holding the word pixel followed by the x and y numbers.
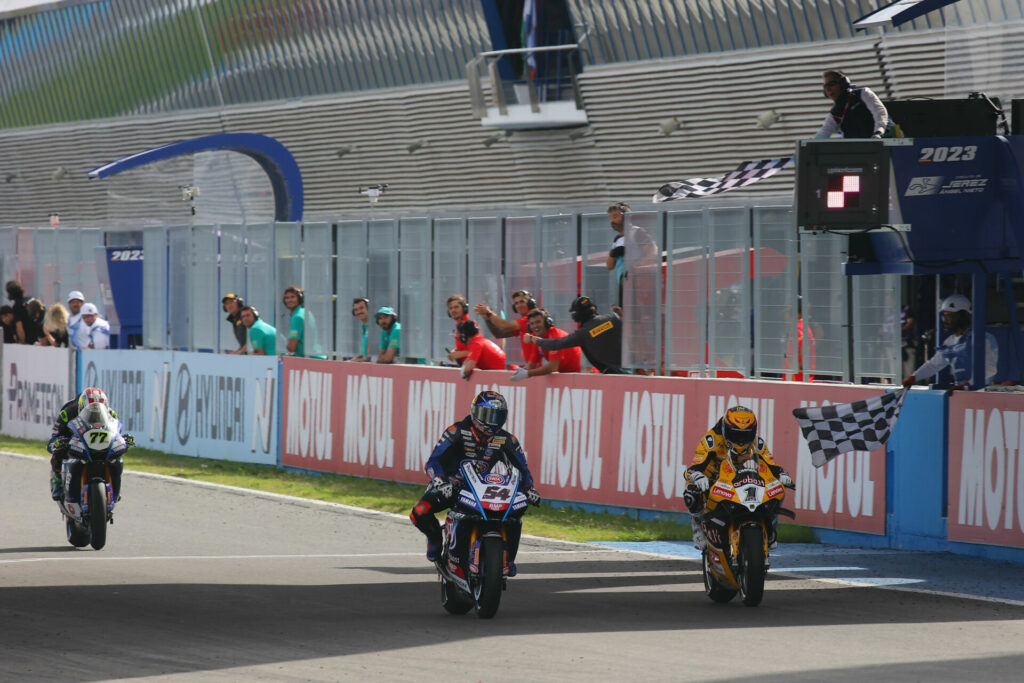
pixel 487 590
pixel 712 586
pixel 98 514
pixel 752 570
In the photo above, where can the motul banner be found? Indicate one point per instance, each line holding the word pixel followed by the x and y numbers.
pixel 986 469
pixel 36 381
pixel 620 440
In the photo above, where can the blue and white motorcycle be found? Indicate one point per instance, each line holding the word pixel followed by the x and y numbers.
pixel 475 560
pixel 91 488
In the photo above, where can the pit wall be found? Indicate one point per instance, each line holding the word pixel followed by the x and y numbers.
pixel 620 441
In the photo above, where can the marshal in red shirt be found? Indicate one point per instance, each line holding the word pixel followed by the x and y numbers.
pixel 570 358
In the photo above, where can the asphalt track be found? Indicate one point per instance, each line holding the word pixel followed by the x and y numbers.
pixel 199 582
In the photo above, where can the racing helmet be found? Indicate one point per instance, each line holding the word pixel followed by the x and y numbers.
pixel 489 412
pixel 739 427
pixel 582 309
pixel 90 397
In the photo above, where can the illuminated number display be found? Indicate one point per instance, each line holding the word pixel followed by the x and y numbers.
pixel 843 191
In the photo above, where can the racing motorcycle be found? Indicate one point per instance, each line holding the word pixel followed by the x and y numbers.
pixel 740 510
pixel 89 497
pixel 474 562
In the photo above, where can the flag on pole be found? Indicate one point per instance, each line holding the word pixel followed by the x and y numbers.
pixel 529 36
pixel 747 173
pixel 843 427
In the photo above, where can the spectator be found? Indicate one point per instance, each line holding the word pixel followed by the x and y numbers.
pixel 483 353
pixel 617 256
pixel 16 293
pixel 562 360
pixel 522 302
pixel 301 325
pixel 458 310
pixel 856 112
pixel 77 337
pixel 262 337
pixel 36 313
pixel 55 327
pixel 232 305
pixel 97 329
pixel 7 320
pixel 361 311
pixel 600 336
pixel 390 334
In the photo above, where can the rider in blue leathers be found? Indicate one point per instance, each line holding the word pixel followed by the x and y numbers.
pixel 477 437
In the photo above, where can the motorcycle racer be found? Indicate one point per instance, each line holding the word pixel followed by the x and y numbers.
pixel 735 432
pixel 477 437
pixel 61 434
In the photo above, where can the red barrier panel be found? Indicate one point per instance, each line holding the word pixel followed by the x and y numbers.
pixel 986 470
pixel 614 440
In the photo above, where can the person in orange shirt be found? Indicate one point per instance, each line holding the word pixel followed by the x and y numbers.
pixel 522 302
pixel 483 353
pixel 458 310
pixel 561 360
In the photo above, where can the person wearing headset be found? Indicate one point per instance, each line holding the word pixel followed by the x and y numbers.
pixel 599 336
pixel 361 312
pixel 262 337
pixel 458 310
pixel 481 352
pixel 390 334
pixel 856 111
pixel 956 350
pixel 232 305
pixel 522 302
pixel 294 300
pixel 617 255
pixel 542 326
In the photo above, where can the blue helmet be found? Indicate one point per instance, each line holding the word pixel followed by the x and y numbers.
pixel 489 411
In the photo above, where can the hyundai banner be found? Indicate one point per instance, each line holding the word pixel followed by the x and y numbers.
pixel 198 404
pixel 37 381
pixel 588 438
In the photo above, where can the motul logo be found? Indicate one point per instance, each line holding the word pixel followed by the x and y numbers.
pixel 368 421
pixel 309 414
pixel 431 408
pixel 991 473
pixel 652 454
pixel 571 454
pixel 843 485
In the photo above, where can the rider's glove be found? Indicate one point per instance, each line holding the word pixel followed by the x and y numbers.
pixel 532 497
pixel 520 374
pixel 786 480
pixel 442 486
pixel 129 440
pixel 700 480
pixel 58 444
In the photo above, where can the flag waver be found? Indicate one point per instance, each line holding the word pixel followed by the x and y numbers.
pixel 843 427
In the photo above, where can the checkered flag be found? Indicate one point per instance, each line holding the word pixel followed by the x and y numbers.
pixel 843 427
pixel 745 174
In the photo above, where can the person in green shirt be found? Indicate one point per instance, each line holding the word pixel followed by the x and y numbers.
pixel 262 337
pixel 390 334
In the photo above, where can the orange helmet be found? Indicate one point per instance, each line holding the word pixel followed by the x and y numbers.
pixel 739 428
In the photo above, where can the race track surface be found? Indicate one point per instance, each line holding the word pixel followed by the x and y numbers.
pixel 199 582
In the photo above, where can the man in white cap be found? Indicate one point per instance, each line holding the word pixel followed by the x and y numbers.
pixel 97 329
pixel 77 335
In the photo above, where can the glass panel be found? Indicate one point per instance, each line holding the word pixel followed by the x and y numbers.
pixel 352 283
pixel 596 280
pixel 449 278
pixel 232 278
pixel 559 255
pixel 260 276
pixel 47 267
pixel 824 304
pixel 686 291
pixel 876 328
pixel 154 287
pixel 179 266
pixel 641 292
pixel 775 291
pixel 382 267
pixel 729 303
pixel 485 282
pixel 205 305
pixel 522 271
pixel 415 303
pixel 317 277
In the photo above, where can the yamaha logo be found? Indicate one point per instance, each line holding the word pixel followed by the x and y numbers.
pixel 183 383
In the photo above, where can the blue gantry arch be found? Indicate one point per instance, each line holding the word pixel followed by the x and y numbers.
pixel 271 155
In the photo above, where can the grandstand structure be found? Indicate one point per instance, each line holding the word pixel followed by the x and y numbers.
pixel 379 92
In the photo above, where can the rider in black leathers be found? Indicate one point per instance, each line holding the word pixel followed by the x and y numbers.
pixel 477 437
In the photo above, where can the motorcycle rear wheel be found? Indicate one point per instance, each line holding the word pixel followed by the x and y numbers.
pixel 453 599
pixel 98 514
pixel 752 569
pixel 487 590
pixel 712 586
pixel 77 536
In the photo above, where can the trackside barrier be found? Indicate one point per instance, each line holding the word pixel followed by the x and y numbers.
pixel 199 404
pixel 36 381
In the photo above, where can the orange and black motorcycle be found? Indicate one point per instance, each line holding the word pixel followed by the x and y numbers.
pixel 741 507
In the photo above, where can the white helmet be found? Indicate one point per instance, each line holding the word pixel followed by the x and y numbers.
pixel 955 303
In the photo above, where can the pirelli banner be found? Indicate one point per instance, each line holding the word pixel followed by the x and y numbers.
pixel 36 381
pixel 986 468
pixel 200 404
pixel 619 440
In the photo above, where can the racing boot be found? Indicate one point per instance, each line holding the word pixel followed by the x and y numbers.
pixel 699 542
pixel 433 549
pixel 56 486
